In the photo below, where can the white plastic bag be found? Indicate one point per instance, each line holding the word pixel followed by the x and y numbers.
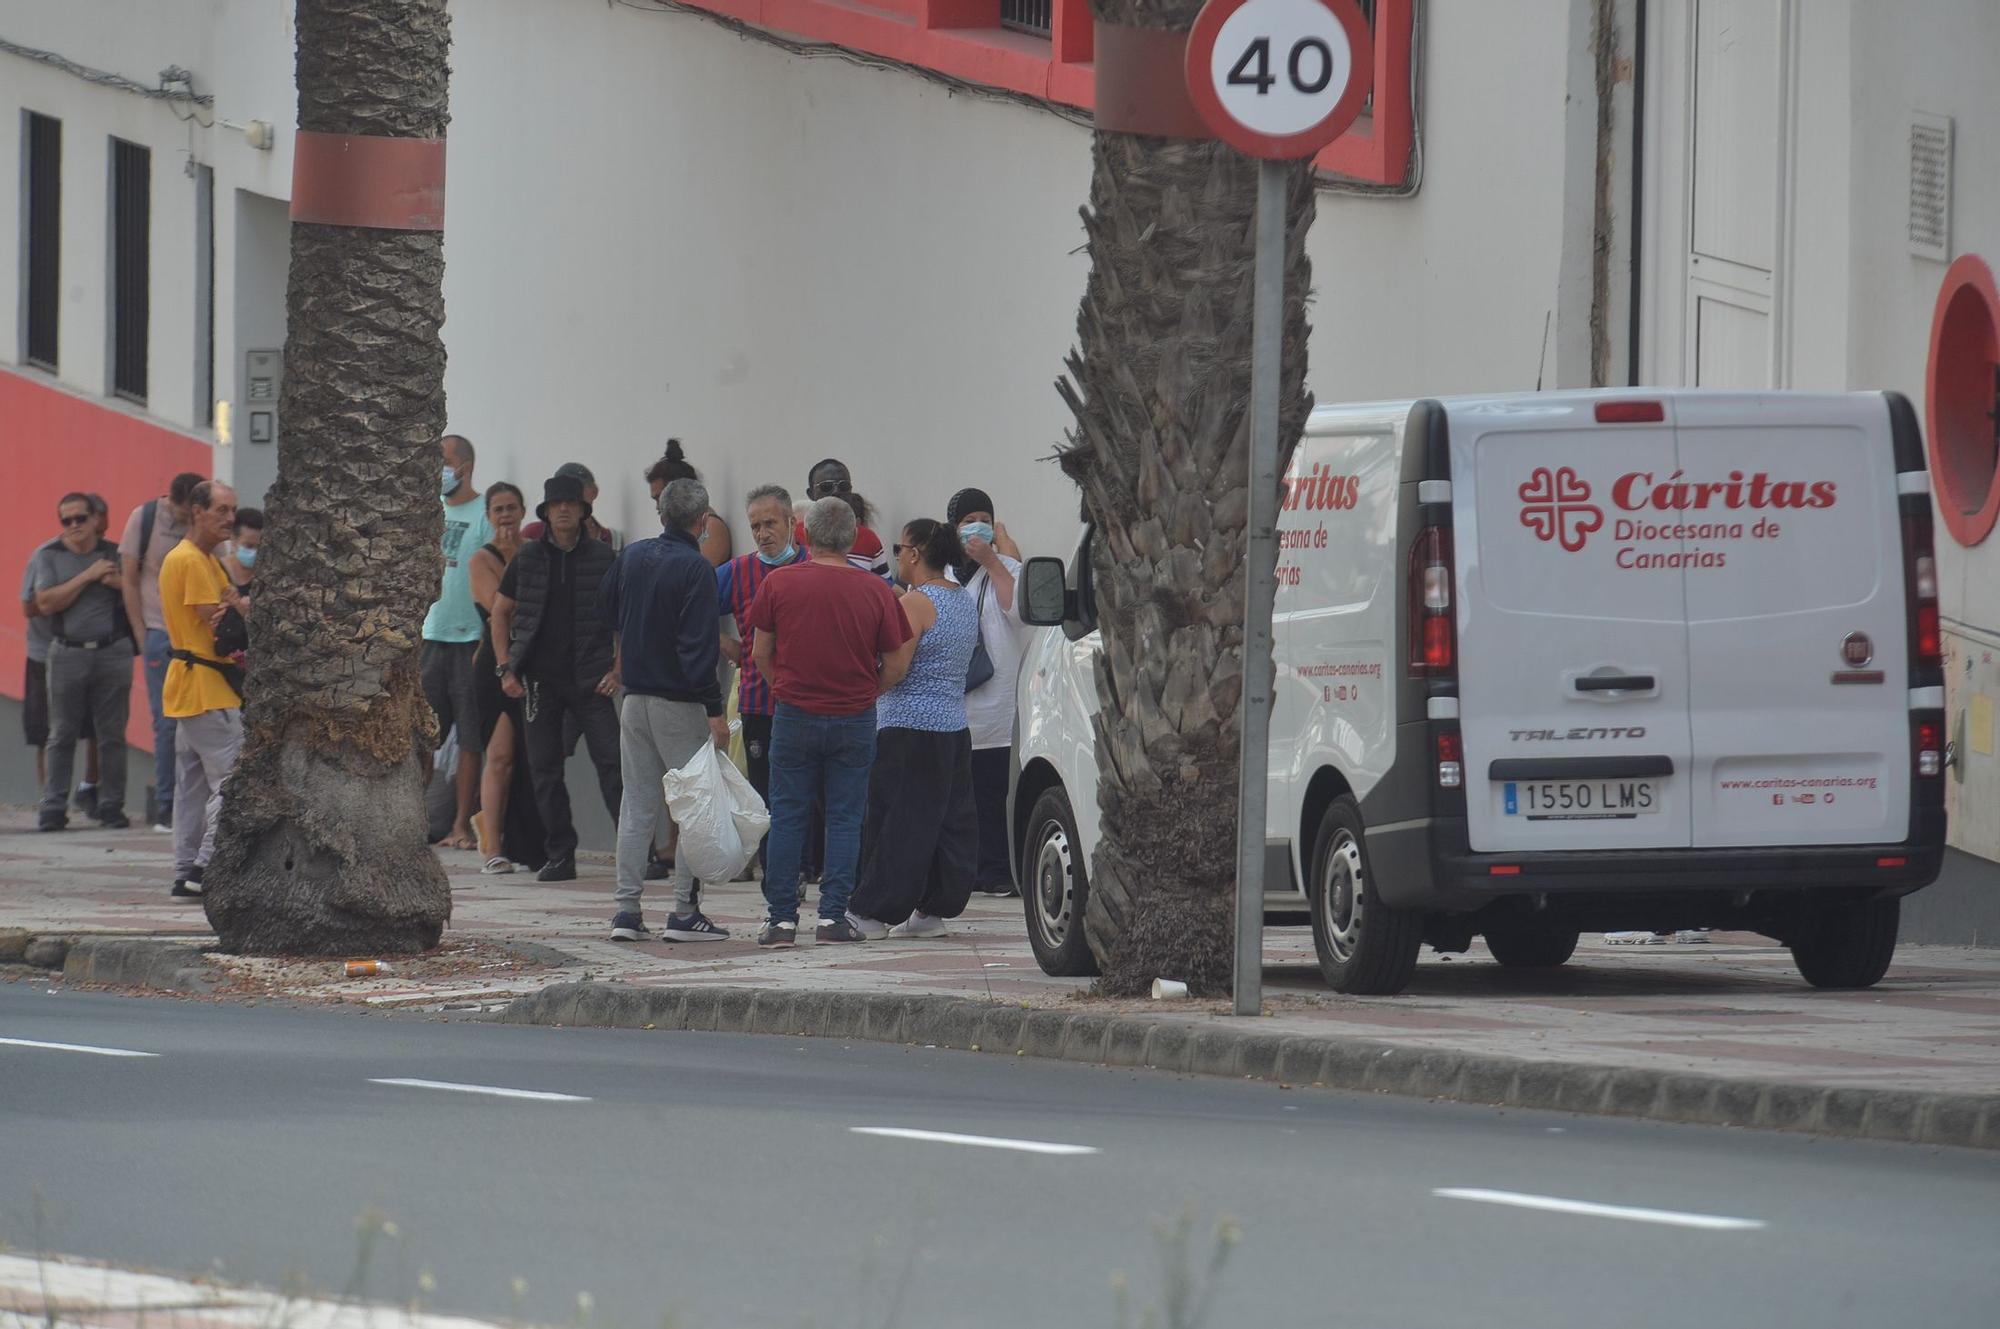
pixel 722 819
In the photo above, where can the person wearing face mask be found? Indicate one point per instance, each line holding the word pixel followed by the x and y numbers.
pixel 769 509
pixel 987 574
pixel 452 629
pixel 241 562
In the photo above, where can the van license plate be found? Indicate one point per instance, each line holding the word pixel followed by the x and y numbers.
pixel 1580 800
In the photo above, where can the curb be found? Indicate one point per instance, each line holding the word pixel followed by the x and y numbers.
pixel 1905 1117
pixel 147 964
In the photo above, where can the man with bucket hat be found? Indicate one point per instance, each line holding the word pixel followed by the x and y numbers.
pixel 553 648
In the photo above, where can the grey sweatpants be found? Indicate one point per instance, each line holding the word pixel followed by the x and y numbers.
pixel 94 686
pixel 205 751
pixel 654 736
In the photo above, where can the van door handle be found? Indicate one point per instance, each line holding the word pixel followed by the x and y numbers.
pixel 1616 683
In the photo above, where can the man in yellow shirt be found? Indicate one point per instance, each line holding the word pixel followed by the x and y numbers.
pixel 194 594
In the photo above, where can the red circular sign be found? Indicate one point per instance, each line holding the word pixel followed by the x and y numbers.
pixel 1271 78
pixel 1960 396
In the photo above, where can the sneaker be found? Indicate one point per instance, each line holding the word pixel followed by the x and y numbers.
pixel 659 869
pixel 1631 939
pixel 692 927
pixel 163 828
pixel 919 925
pixel 1002 890
pixel 52 821
pixel 190 885
pixel 558 869
pixel 497 866
pixel 1692 936
pixel 839 930
pixel 116 821
pixel 775 933
pixel 869 928
pixel 86 799
pixel 629 927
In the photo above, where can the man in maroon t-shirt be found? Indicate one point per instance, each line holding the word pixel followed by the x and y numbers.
pixel 822 628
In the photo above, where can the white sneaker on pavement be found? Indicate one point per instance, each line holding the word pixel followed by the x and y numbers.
pixel 869 928
pixel 1633 939
pixel 919 925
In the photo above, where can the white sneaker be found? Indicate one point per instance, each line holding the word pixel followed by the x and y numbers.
pixel 869 928
pixel 1633 939
pixel 919 925
pixel 497 866
pixel 163 828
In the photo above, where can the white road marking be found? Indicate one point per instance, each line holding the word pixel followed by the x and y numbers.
pixel 492 1090
pixel 1584 1208
pixel 976 1141
pixel 73 1047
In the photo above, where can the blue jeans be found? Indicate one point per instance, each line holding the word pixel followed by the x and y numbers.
pixel 825 756
pixel 157 646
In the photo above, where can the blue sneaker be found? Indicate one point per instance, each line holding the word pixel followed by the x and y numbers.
pixel 629 927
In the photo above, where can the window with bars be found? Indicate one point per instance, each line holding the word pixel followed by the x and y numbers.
pixel 42 234
pixel 131 265
pixel 1035 16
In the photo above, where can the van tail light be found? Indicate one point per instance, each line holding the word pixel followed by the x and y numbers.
pixel 1631 413
pixel 1920 568
pixel 1451 761
pixel 1929 744
pixel 1433 645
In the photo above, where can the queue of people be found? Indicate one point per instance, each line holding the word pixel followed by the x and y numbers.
pixel 874 685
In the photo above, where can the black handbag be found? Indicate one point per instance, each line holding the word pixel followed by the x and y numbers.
pixel 980 671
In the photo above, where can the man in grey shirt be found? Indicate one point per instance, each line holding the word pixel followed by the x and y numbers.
pixel 79 588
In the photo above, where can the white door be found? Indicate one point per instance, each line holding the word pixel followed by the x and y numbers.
pixel 1798 639
pixel 1573 666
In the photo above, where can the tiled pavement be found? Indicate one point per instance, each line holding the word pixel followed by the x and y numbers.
pixel 1733 1008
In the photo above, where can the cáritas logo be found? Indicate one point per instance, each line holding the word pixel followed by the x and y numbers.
pixel 1556 505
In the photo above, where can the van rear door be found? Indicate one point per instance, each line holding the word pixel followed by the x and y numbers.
pixel 1797 627
pixel 1573 675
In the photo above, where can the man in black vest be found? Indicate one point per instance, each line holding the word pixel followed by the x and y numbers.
pixel 554 649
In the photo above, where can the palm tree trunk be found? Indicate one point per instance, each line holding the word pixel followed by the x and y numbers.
pixel 1160 386
pixel 322 847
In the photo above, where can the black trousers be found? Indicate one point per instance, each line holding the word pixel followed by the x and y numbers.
pixel 550 702
pixel 920 841
pixel 991 768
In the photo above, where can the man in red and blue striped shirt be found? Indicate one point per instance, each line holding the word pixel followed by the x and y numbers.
pixel 736 583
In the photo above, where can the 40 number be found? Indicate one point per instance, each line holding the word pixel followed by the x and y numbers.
pixel 1309 67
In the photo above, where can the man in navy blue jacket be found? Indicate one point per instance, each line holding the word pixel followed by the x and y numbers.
pixel 660 600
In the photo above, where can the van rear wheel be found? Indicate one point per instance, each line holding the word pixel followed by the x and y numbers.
pixel 1365 946
pixel 1058 885
pixel 1847 947
pixel 1524 946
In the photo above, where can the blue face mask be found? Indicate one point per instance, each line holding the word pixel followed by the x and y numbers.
pixel 977 530
pixel 780 559
pixel 450 481
pixel 247 557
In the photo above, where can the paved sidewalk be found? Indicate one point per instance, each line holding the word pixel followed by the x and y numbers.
pixel 1736 1008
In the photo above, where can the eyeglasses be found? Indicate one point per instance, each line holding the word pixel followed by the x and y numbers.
pixel 897 550
pixel 828 488
pixel 81 519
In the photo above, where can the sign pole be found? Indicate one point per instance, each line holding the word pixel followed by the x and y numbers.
pixel 1261 576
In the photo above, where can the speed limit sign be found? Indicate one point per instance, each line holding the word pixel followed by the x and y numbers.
pixel 1279 79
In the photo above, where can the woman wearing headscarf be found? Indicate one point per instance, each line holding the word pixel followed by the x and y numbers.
pixel 987 572
pixel 920 841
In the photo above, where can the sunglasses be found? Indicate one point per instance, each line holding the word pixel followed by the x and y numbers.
pixel 828 488
pixel 897 550
pixel 80 520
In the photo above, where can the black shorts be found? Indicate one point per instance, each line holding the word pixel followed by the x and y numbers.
pixel 449 687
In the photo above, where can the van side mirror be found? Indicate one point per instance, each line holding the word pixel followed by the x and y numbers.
pixel 1044 589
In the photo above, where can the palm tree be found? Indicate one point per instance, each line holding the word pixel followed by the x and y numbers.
pixel 1160 386
pixel 322 847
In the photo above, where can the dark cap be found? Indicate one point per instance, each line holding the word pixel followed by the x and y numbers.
pixel 560 488
pixel 967 500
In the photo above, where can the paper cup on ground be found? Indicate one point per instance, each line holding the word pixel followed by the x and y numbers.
pixel 1167 989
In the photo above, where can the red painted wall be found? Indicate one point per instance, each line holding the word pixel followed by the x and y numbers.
pixel 51 442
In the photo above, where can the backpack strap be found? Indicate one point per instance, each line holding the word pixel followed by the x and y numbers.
pixel 147 516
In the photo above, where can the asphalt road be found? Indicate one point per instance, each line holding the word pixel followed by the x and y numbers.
pixel 742 1181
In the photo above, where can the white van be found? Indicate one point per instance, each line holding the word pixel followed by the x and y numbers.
pixel 1565 662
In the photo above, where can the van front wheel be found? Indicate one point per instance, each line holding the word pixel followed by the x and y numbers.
pixel 1848 947
pixel 1364 946
pixel 1058 885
